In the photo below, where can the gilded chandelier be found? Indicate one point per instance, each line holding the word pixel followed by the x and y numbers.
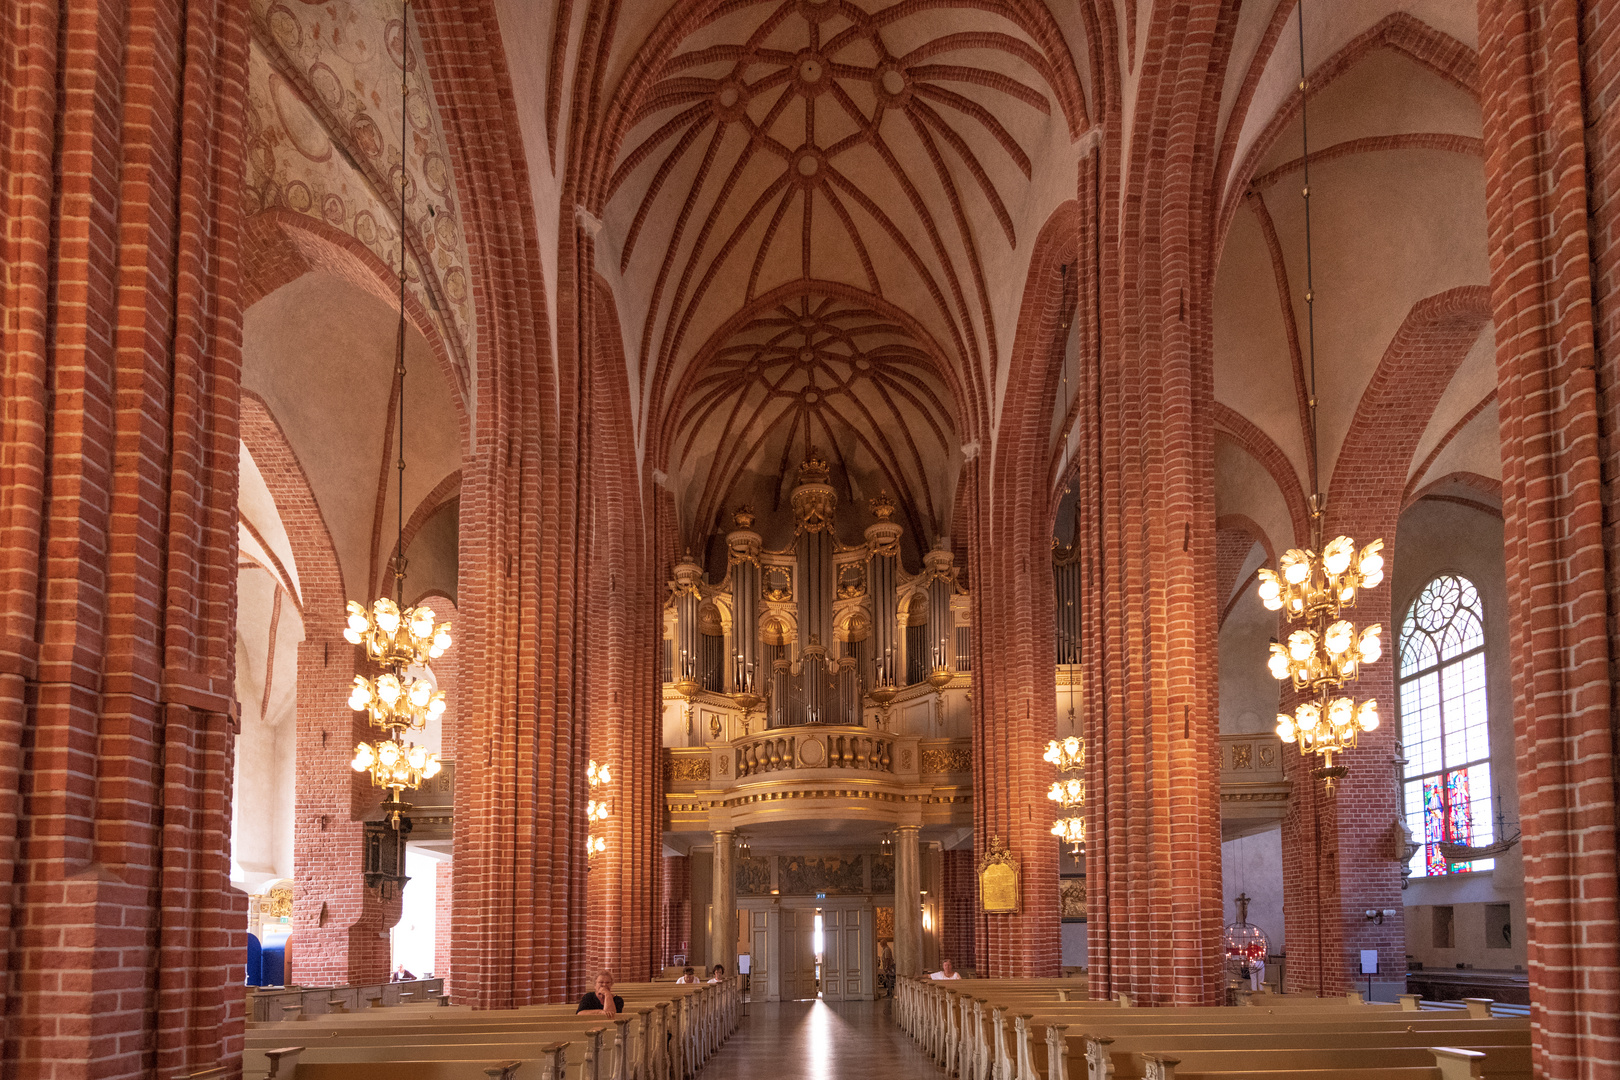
pixel 396 637
pixel 1069 791
pixel 596 808
pixel 1324 654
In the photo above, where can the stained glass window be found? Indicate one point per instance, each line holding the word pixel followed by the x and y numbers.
pixel 1445 726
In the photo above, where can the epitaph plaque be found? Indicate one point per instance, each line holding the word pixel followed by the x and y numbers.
pixel 1000 884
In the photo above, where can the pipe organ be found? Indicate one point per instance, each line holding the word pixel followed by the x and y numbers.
pixel 816 633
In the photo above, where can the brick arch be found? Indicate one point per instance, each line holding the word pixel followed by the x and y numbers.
pixel 1399 400
pixel 1488 488
pixel 1233 425
pixel 1438 52
pixel 280 246
pixel 336 920
pixel 320 574
pixel 1235 537
pixel 1445 441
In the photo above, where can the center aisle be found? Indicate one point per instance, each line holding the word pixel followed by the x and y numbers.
pixel 812 1040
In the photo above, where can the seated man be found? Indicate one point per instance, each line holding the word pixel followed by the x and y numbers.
pixel 947 970
pixel 688 975
pixel 719 973
pixel 602 1001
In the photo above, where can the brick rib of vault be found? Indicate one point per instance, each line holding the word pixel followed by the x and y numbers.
pixel 118 457
pixel 1554 353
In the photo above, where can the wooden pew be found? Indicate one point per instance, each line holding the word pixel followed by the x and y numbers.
pixel 996 1036
pixel 640 1047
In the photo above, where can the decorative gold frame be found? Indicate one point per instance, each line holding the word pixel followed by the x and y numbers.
pixel 1001 887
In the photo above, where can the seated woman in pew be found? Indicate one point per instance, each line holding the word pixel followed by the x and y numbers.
pixel 688 976
pixel 947 970
pixel 602 1001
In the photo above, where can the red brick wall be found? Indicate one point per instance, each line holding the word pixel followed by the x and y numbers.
pixel 118 538
pixel 1547 85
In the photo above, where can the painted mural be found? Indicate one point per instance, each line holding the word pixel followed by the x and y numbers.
pixel 323 131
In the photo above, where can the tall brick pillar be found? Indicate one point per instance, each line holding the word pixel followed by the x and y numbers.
pixel 676 923
pixel 1548 71
pixel 1143 465
pixel 118 458
pixel 622 703
pixel 961 890
pixel 520 881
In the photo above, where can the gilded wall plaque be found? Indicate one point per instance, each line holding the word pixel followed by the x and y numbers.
pixel 1000 886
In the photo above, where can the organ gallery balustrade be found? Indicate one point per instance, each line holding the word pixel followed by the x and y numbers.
pixel 827 770
pixel 819 770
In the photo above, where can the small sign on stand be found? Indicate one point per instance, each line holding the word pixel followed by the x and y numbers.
pixel 1369 968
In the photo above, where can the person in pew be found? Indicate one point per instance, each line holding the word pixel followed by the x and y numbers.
pixel 602 1001
pixel 947 970
pixel 719 973
pixel 689 975
pixel 401 975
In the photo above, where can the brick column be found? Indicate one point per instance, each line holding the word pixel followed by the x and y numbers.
pixel 623 703
pixel 124 941
pixel 340 927
pixel 1143 466
pixel 1547 74
pixel 676 923
pixel 520 879
pixel 443 914
pixel 961 890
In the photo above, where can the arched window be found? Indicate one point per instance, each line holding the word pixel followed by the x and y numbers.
pixel 1444 724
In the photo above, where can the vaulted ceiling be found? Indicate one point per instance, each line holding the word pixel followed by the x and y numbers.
pixel 816 159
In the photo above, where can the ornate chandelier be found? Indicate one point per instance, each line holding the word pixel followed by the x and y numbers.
pixel 1068 756
pixel 596 807
pixel 1069 790
pixel 397 637
pixel 1323 656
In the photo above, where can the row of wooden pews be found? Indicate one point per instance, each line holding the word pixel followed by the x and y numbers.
pixel 1046 1029
pixel 666 1032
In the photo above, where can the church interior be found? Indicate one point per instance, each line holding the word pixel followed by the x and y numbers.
pixel 1112 498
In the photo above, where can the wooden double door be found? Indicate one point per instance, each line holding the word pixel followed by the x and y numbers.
pixel 846 967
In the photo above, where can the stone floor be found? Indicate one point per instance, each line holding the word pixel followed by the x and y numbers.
pixel 814 1040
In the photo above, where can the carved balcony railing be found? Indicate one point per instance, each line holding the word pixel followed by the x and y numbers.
pixel 820 770
pixel 834 748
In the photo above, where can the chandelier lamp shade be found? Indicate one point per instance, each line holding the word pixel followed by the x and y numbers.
pixel 396 637
pixel 1324 652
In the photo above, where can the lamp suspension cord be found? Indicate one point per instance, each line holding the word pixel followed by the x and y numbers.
pixel 399 337
pixel 1310 287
